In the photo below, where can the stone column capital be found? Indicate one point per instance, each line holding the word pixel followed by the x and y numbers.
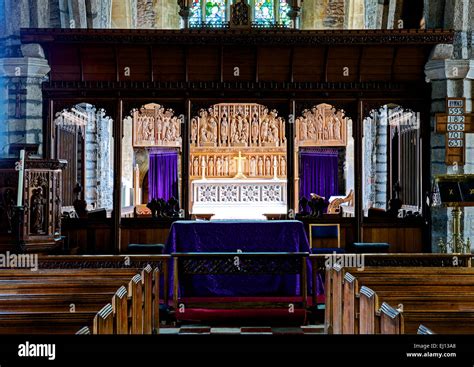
pixel 24 67
pixel 436 69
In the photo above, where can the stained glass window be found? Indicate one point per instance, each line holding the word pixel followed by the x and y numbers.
pixel 264 13
pixel 283 10
pixel 196 17
pixel 215 11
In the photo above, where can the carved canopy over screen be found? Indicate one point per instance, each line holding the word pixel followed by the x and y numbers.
pixel 238 125
pixel 323 125
pixel 155 126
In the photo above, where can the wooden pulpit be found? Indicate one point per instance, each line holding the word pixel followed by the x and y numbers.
pixel 30 209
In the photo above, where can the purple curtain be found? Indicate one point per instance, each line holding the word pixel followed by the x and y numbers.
pixel 319 172
pixel 163 175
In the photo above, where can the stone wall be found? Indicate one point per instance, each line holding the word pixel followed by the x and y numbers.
pixel 450 70
pixel 375 160
pixel 127 163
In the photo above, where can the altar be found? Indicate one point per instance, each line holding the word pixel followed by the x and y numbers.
pixel 239 198
pixel 282 236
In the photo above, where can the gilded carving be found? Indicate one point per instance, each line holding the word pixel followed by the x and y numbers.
pixel 237 125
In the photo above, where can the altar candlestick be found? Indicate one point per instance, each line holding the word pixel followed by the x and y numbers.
pixel 21 175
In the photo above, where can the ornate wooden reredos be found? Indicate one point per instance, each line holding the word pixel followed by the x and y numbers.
pixel 155 126
pixel 322 126
pixel 219 133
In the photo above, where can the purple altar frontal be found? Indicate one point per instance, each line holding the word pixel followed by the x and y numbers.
pixel 238 236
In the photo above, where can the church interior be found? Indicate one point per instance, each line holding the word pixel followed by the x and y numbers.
pixel 236 167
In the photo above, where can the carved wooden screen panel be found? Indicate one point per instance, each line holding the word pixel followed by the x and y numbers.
pixel 218 134
pixel 155 126
pixel 322 126
pixel 68 139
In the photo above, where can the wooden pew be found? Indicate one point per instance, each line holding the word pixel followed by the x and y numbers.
pixel 344 289
pixel 83 331
pixel 423 330
pixel 393 321
pixel 423 289
pixel 373 260
pixel 104 321
pixel 50 296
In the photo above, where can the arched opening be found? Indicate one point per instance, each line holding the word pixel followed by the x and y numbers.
pixel 84 139
pixel 324 157
pixel 392 182
pixel 151 158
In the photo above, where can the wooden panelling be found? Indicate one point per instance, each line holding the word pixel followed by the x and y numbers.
pixel 204 63
pixel 66 62
pixel 142 236
pixel 308 64
pixel 143 231
pixel 168 63
pixel 407 64
pixel 376 63
pixel 274 64
pixel 134 63
pixel 343 64
pixel 401 239
pixel 87 236
pixel 244 59
pixel 98 63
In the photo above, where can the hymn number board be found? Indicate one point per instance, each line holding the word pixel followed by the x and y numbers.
pixel 455 124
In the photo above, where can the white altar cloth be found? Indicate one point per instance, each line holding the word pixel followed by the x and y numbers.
pixel 239 198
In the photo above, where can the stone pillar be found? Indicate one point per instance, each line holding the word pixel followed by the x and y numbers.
pixel 469 166
pixel 334 17
pixel 382 14
pixel 77 14
pixel 167 14
pixel 99 13
pixel 447 77
pixel 381 162
pixel 23 77
pixel 395 8
pixel 146 15
pixel 370 19
pixel 449 70
pixel 354 17
pixel 322 14
pixel 433 12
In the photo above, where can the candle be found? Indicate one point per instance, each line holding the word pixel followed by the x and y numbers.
pixel 21 174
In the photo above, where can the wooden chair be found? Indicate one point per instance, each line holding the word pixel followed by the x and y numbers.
pixel 325 237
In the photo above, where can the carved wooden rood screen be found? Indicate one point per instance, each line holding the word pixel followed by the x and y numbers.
pixel 326 127
pixel 237 159
pixel 154 126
